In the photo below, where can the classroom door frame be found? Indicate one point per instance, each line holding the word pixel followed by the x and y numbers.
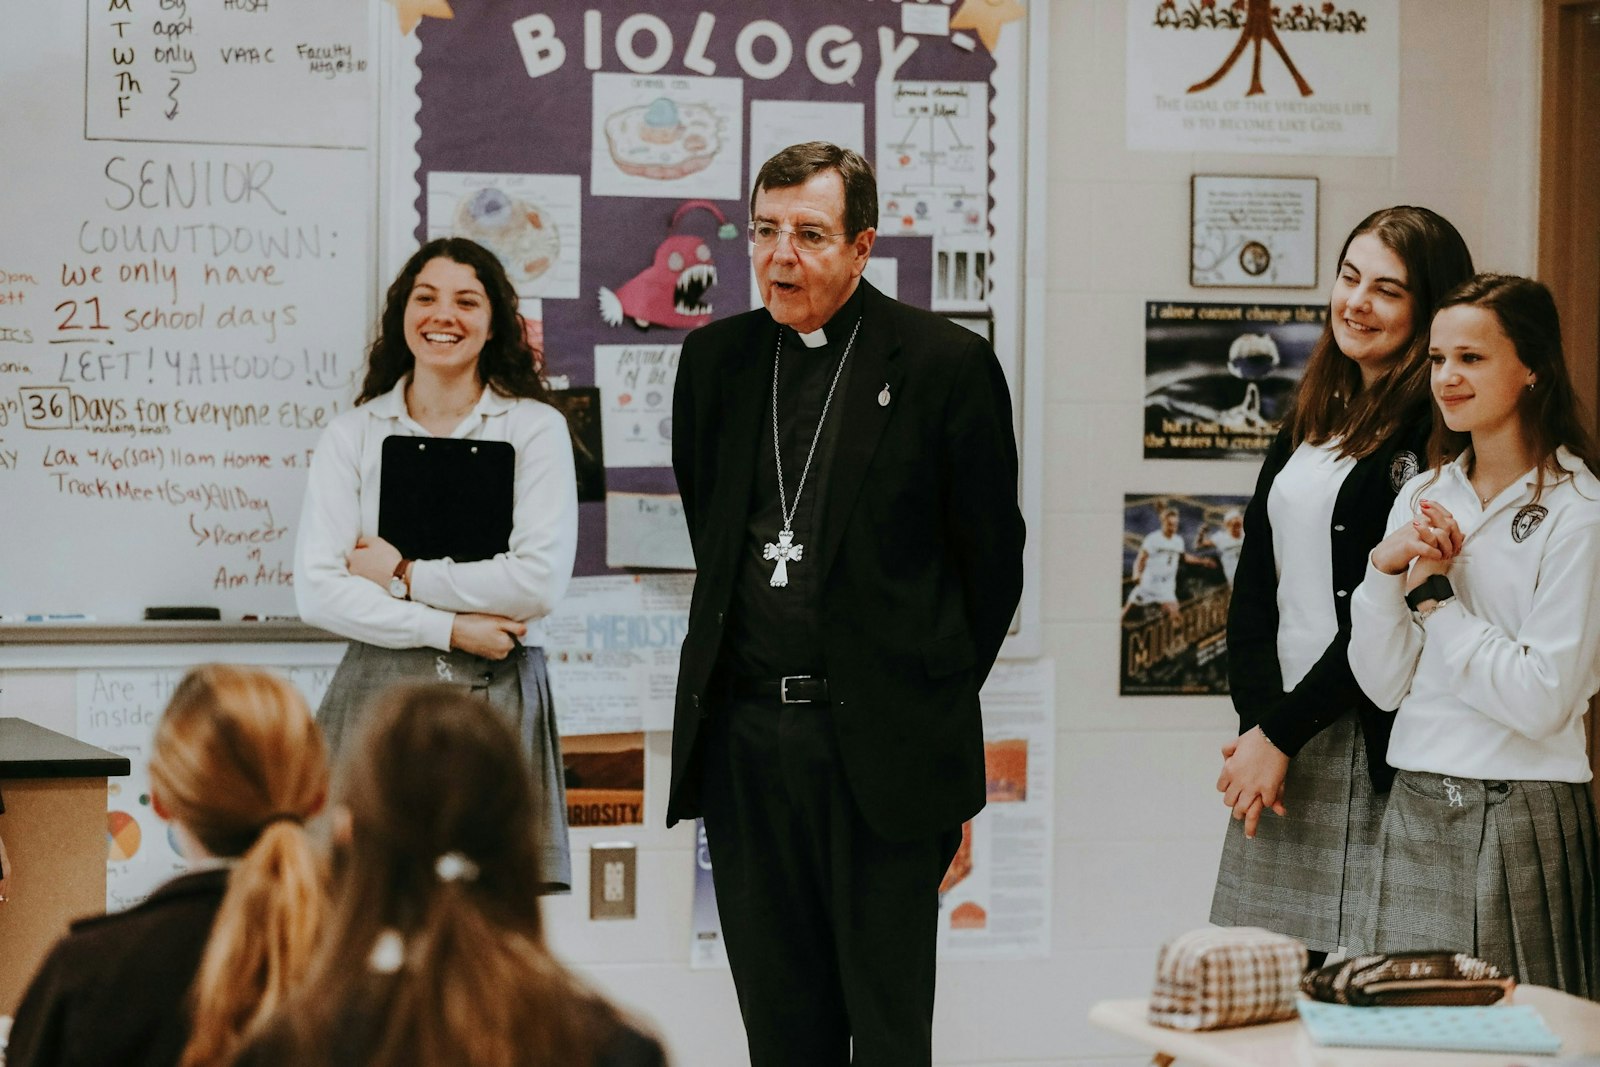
pixel 1569 208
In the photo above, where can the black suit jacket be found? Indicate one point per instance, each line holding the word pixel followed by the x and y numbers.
pixel 115 989
pixel 920 554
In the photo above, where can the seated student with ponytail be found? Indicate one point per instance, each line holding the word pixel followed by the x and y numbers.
pixel 434 952
pixel 238 766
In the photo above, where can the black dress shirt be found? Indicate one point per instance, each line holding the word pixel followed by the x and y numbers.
pixel 773 630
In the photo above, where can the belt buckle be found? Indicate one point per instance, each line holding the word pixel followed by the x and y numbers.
pixel 783 688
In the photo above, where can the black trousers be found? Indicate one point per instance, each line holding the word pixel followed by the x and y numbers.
pixel 830 929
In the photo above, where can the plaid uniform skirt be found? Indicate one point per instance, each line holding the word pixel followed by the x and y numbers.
pixel 1306 873
pixel 1508 871
pixel 518 686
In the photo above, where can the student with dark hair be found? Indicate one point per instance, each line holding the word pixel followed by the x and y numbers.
pixel 435 951
pixel 1477 621
pixel 1311 747
pixel 238 766
pixel 451 360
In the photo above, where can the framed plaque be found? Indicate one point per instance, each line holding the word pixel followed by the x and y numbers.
pixel 1252 232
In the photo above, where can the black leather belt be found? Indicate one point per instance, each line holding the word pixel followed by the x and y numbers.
pixel 790 689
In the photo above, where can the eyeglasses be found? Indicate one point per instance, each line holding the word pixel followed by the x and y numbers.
pixel 805 239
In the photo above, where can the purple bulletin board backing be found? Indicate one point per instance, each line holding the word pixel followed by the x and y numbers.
pixel 627 130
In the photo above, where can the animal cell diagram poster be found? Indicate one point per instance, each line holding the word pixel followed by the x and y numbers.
pixel 1263 76
pixel 605 150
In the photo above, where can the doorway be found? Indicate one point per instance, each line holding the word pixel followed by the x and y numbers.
pixel 1569 206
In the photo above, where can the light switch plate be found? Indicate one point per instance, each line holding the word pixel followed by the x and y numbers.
pixel 613 880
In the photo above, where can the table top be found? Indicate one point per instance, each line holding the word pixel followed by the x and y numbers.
pixel 1286 1044
pixel 28 750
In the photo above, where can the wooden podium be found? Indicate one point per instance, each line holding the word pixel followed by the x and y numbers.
pixel 54 828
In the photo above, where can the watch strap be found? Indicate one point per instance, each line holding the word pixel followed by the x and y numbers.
pixel 398 585
pixel 1435 587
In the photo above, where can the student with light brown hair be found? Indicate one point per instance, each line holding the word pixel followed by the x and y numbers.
pixel 238 766
pixel 1306 774
pixel 435 952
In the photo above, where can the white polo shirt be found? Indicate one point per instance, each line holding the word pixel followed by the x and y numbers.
pixel 341 504
pixel 1495 683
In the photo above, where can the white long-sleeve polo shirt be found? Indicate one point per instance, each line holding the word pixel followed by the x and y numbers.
pixel 1494 684
pixel 341 504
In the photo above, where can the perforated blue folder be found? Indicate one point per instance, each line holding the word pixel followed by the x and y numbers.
pixel 1498 1028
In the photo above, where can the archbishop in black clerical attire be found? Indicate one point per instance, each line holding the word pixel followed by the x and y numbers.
pixel 849 473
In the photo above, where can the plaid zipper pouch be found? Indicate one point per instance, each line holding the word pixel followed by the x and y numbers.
pixel 1217 977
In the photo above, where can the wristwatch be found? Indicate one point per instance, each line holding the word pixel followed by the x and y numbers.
pixel 1435 587
pixel 399 588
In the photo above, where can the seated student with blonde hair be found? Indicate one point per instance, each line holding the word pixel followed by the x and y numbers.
pixel 435 951
pixel 238 766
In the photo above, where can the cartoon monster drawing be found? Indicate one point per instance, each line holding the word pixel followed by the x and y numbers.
pixel 673 290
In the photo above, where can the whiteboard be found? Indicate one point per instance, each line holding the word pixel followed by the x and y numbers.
pixel 186 286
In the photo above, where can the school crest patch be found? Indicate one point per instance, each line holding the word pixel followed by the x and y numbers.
pixel 1402 469
pixel 1527 520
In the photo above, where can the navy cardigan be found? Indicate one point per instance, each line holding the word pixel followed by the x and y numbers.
pixel 1329 689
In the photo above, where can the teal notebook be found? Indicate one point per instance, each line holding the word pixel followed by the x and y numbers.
pixel 1498 1028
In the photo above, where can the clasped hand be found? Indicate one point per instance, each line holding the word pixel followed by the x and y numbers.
pixel 1253 770
pixel 1427 545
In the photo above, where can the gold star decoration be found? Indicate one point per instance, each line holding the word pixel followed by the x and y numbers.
pixel 410 12
pixel 987 16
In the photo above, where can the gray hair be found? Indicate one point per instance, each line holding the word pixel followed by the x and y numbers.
pixel 799 163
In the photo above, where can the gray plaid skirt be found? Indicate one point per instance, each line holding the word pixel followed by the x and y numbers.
pixel 1508 871
pixel 1305 874
pixel 518 686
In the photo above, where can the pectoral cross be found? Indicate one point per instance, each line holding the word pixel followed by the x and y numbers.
pixel 784 551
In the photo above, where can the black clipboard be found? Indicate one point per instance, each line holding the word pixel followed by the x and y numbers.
pixel 447 496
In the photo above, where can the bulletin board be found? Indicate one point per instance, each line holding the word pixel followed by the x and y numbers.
pixel 605 150
pixel 194 250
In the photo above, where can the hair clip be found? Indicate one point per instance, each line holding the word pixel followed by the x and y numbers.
pixel 455 867
pixel 388 953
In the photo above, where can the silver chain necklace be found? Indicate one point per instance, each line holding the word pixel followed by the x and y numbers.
pixel 784 550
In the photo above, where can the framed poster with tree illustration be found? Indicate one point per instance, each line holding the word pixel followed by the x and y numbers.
pixel 1252 232
pixel 1263 77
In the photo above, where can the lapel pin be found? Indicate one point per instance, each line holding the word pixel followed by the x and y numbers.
pixel 883 397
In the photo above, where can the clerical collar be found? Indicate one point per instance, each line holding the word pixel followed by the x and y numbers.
pixel 839 326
